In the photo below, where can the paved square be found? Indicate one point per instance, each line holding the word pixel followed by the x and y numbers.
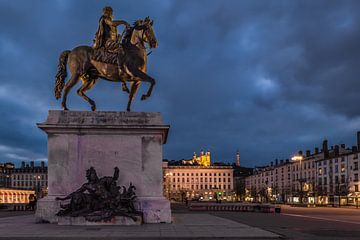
pixel 184 226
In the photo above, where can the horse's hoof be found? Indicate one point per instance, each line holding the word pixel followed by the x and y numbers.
pixel 125 88
pixel 143 97
pixel 93 108
pixel 63 105
pixel 128 110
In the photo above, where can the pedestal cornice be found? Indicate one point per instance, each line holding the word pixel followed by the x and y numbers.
pixel 104 122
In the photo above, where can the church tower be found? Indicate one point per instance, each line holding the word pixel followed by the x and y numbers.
pixel 237 158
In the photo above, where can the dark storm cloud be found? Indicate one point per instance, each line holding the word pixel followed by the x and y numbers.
pixel 266 77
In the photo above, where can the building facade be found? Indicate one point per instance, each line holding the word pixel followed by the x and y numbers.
pixel 329 176
pixel 30 177
pixel 198 182
pixel 5 171
pixel 240 175
pixel 338 178
pixel 269 183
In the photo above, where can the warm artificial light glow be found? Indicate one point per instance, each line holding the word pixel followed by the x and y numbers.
pixel 297 158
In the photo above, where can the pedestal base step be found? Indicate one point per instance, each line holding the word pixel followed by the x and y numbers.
pixel 81 221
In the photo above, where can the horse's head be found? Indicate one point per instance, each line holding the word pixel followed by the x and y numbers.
pixel 143 29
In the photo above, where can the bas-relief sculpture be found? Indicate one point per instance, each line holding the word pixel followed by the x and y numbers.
pixel 113 57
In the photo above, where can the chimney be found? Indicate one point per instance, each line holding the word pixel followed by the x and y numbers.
pixel 276 162
pixel 316 150
pixel 42 164
pixel 336 150
pixel 358 140
pixel 325 149
pixel 32 164
pixel 281 162
pixel 307 153
pixel 271 163
pixel 22 164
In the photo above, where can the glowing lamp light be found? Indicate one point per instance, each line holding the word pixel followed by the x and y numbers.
pixel 297 158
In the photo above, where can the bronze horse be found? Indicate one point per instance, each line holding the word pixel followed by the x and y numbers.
pixel 82 66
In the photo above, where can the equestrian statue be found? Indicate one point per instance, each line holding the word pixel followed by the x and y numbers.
pixel 112 57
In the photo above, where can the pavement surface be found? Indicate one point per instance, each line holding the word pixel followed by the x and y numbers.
pixel 298 222
pixel 184 226
pixel 6 213
pixel 293 223
pixel 304 223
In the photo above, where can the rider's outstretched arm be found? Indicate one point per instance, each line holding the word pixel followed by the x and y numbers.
pixel 116 23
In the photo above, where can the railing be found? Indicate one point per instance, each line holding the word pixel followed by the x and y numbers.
pixel 17 206
pixel 234 207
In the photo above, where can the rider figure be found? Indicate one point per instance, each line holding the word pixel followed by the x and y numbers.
pixel 107 37
pixel 107 34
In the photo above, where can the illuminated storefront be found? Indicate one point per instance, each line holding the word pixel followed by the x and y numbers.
pixel 12 196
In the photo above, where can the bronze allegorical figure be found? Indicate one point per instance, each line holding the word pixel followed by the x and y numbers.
pixel 111 58
pixel 100 199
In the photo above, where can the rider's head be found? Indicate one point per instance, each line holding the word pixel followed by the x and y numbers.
pixel 107 11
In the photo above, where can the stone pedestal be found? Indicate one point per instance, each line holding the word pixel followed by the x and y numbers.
pixel 131 141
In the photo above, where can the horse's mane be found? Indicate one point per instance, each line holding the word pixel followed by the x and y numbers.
pixel 128 31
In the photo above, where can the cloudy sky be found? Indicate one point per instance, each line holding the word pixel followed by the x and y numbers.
pixel 266 77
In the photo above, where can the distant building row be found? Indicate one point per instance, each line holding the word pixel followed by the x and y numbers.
pixel 26 177
pixel 329 176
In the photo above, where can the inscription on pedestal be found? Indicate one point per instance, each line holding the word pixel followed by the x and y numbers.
pixel 103 118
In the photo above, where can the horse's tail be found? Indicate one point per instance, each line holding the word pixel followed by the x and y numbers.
pixel 61 74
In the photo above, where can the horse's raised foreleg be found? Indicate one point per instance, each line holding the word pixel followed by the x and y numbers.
pixel 124 87
pixel 73 80
pixel 134 86
pixel 145 78
pixel 87 85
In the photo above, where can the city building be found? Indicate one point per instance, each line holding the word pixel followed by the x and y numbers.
pixel 240 174
pixel 197 179
pixel 30 177
pixel 329 176
pixel 198 182
pixel 338 177
pixel 270 183
pixel 5 169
